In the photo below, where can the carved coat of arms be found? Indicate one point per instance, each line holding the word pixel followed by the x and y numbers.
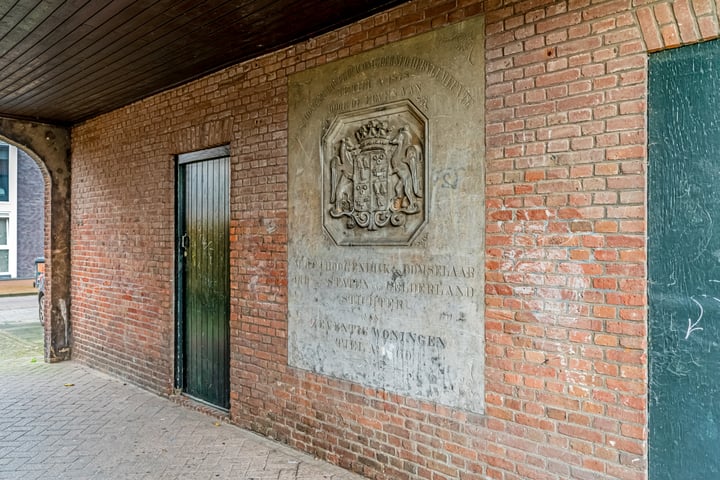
pixel 374 175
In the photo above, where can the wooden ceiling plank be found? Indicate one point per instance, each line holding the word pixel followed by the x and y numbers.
pixel 158 73
pixel 6 8
pixel 172 71
pixel 67 53
pixel 51 22
pixel 15 17
pixel 174 40
pixel 281 31
pixel 85 70
pixel 136 86
pixel 85 73
pixel 117 58
pixel 24 31
pixel 52 50
pixel 118 88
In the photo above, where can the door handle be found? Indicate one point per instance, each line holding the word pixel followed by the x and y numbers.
pixel 185 244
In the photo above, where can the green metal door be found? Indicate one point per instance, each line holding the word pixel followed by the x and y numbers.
pixel 684 263
pixel 203 349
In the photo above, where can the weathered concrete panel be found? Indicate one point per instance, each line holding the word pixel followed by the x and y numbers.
pixel 386 217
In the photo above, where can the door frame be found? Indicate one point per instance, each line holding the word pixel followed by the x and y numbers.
pixel 182 160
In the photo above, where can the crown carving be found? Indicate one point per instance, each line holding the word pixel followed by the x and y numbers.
pixel 373 134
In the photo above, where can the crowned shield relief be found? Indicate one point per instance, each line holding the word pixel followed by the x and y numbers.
pixel 374 173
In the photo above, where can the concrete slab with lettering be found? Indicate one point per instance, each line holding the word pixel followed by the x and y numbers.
pixel 386 217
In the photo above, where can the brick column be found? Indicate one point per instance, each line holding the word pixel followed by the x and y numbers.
pixel 49 145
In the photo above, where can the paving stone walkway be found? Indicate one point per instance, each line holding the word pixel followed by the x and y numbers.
pixel 65 421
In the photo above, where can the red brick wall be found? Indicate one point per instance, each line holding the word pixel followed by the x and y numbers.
pixel 566 377
pixel 566 332
pixel 122 238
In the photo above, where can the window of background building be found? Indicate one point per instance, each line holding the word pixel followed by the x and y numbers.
pixel 4 248
pixel 4 173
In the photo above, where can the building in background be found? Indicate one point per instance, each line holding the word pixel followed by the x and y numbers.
pixel 21 213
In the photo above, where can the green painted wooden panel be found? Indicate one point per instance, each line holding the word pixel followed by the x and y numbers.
pixel 206 219
pixel 684 263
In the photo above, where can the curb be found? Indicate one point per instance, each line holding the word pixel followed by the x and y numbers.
pixel 18 294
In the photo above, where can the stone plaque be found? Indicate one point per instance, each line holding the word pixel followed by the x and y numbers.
pixel 386 217
pixel 374 164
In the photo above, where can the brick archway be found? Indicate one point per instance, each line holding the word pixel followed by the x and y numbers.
pixel 49 145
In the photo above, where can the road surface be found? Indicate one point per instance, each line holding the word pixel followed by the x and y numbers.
pixel 21 334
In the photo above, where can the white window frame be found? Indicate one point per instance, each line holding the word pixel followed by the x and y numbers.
pixel 5 217
pixel 9 210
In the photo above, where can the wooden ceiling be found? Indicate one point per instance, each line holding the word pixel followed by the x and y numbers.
pixel 64 61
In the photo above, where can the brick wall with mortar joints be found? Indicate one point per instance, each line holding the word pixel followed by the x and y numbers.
pixel 566 373
pixel 565 306
pixel 30 215
pixel 566 138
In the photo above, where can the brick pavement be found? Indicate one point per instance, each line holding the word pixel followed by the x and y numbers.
pixel 66 421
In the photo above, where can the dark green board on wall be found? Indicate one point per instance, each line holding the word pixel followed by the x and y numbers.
pixel 684 262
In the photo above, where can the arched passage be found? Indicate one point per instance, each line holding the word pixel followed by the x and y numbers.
pixel 49 145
